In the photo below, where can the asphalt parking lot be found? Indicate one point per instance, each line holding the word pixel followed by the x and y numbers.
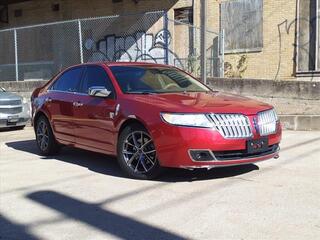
pixel 83 195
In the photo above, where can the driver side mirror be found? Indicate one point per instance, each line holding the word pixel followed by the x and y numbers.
pixel 99 91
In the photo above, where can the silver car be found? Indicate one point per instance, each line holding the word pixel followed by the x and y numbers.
pixel 14 110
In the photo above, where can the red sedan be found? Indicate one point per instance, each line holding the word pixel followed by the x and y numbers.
pixel 151 116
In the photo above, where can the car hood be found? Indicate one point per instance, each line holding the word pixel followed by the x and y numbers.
pixel 9 96
pixel 213 102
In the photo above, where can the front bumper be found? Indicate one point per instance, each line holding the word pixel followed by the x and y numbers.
pixel 242 161
pixel 15 120
pixel 173 145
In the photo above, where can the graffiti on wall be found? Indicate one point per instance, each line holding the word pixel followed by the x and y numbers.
pixel 140 46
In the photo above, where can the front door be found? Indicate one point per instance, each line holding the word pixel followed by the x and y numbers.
pixel 93 116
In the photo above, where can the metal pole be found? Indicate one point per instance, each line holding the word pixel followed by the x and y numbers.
pixel 16 53
pixel 203 41
pixel 222 54
pixel 80 40
pixel 166 40
pixel 317 36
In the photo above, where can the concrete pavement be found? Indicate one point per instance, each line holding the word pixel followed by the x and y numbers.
pixel 83 195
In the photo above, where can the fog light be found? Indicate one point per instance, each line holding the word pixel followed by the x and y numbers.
pixel 201 155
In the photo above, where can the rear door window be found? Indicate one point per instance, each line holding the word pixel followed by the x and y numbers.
pixel 69 81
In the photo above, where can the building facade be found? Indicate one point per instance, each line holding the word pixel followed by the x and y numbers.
pixel 263 39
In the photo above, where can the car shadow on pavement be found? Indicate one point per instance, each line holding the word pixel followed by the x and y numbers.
pixel 12 230
pixel 93 215
pixel 108 165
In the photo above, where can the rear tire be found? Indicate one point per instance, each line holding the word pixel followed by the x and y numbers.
pixel 46 141
pixel 136 153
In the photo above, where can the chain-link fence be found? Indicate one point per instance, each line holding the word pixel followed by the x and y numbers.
pixel 7 55
pixel 186 49
pixel 38 52
pixel 44 50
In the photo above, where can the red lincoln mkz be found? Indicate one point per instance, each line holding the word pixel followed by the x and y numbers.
pixel 152 116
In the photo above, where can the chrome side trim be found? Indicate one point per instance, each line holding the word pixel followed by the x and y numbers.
pixel 76 93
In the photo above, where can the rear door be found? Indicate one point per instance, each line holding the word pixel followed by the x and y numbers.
pixel 94 115
pixel 59 103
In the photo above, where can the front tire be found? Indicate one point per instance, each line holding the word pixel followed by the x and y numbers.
pixel 46 141
pixel 137 155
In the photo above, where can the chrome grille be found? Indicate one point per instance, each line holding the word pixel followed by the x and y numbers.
pixel 267 122
pixel 10 102
pixel 232 125
pixel 14 110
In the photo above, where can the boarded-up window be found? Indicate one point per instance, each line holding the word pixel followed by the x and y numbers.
pixel 243 26
pixel 308 36
pixel 184 15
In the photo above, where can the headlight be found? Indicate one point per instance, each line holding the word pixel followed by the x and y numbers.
pixel 186 119
pixel 268 116
pixel 24 100
pixel 267 122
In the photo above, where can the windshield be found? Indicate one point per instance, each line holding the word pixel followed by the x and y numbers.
pixel 142 79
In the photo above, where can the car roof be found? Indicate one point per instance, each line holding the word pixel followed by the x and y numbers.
pixel 112 64
pixel 119 64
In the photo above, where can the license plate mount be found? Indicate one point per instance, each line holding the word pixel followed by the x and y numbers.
pixel 12 120
pixel 257 145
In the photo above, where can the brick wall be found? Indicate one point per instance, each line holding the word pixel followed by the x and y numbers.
pixel 277 15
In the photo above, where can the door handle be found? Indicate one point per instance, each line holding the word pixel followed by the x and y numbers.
pixel 48 100
pixel 77 104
